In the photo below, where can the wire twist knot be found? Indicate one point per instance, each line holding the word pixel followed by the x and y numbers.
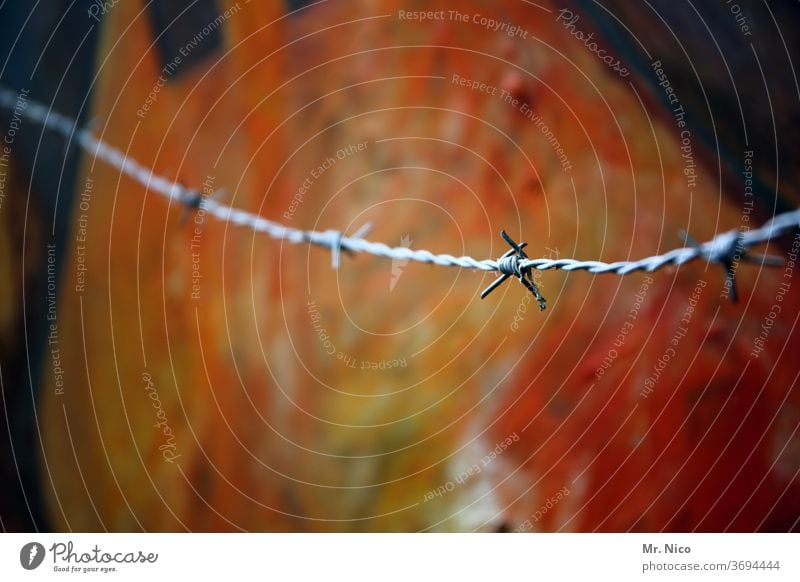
pixel 509 266
pixel 728 249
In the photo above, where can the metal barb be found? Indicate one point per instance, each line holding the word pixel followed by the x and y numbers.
pixel 336 250
pixel 509 264
pixel 725 256
pixel 721 249
pixel 192 199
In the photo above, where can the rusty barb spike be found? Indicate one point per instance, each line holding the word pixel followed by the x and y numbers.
pixel 509 265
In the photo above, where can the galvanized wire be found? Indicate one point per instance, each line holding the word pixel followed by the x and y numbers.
pixel 725 249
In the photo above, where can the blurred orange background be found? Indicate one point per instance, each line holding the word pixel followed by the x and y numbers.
pixel 215 379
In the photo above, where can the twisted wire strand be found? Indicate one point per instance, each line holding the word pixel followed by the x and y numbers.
pixel 721 249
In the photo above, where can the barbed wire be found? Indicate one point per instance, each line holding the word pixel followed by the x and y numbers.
pixel 727 248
